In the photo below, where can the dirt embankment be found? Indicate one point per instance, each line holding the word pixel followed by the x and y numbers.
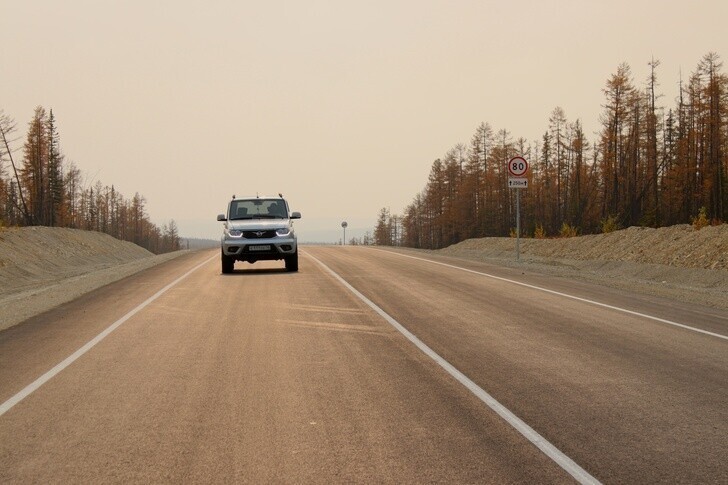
pixel 675 262
pixel 44 267
pixel 679 246
pixel 41 267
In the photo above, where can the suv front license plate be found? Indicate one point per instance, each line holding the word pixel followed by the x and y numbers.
pixel 259 248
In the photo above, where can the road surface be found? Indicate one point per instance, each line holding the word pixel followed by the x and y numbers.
pixel 181 374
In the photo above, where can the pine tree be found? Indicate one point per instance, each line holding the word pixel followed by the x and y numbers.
pixel 55 174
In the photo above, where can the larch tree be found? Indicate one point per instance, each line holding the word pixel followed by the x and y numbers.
pixel 557 132
pixel 579 193
pixel 34 171
pixel 545 189
pixel 476 171
pixel 383 229
pixel 648 166
pixel 73 190
pixel 16 208
pixel 137 218
pixel 714 94
pixel 620 99
pixel 434 204
pixel 652 134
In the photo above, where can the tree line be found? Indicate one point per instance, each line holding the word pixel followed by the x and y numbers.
pixel 39 188
pixel 648 166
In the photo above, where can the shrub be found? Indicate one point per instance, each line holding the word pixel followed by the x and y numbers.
pixel 610 224
pixel 539 233
pixel 702 220
pixel 567 231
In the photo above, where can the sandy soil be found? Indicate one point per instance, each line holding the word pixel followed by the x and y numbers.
pixel 42 267
pixel 675 262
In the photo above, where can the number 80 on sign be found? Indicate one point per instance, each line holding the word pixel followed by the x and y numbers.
pixel 517 166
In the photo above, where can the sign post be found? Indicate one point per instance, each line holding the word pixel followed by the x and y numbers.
pixel 518 168
pixel 343 241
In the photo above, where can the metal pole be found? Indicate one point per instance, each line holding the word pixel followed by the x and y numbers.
pixel 343 243
pixel 518 224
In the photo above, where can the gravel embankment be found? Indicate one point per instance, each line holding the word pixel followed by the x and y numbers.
pixel 675 262
pixel 42 267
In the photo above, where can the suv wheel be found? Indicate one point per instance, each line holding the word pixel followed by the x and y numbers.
pixel 292 262
pixel 228 264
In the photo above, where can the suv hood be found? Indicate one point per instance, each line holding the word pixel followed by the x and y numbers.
pixel 258 224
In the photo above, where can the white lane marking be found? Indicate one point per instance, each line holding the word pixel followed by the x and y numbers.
pixel 569 465
pixel 32 387
pixel 565 295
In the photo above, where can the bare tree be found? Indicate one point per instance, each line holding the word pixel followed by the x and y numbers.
pixel 7 127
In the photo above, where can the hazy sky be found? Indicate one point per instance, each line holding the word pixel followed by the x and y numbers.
pixel 340 105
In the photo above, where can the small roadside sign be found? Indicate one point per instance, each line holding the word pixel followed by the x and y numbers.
pixel 517 166
pixel 517 183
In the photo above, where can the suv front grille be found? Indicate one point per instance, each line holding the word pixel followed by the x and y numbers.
pixel 259 234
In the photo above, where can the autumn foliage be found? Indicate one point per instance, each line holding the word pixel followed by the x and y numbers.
pixel 38 188
pixel 647 166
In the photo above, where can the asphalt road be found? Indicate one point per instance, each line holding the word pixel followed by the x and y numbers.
pixel 268 376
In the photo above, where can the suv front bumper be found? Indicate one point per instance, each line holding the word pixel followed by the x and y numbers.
pixel 244 249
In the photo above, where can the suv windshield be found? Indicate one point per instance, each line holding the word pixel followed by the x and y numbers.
pixel 258 209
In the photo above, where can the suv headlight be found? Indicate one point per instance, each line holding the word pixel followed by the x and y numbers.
pixel 285 231
pixel 235 233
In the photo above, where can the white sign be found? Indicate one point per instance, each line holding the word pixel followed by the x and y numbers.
pixel 517 183
pixel 517 166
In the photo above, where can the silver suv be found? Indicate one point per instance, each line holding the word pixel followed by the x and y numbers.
pixel 258 228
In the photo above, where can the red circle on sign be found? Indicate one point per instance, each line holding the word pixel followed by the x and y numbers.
pixel 517 166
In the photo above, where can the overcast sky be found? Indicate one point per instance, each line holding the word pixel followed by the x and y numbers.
pixel 341 106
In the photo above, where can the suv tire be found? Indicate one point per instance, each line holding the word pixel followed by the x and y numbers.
pixel 228 264
pixel 292 262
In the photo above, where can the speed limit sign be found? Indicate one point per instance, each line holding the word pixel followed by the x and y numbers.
pixel 517 166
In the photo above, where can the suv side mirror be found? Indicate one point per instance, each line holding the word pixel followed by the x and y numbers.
pixel 221 217
pixel 295 215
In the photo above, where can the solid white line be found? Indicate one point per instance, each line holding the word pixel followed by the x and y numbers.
pixel 573 469
pixel 7 405
pixel 565 295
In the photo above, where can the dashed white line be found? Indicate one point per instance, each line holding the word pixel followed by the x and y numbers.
pixel 32 387
pixel 569 465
